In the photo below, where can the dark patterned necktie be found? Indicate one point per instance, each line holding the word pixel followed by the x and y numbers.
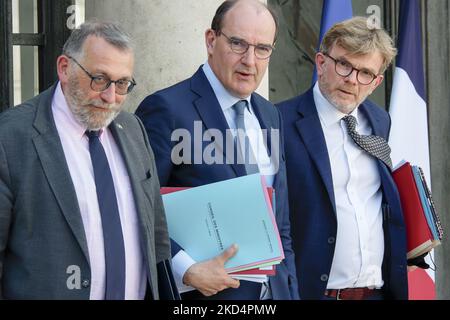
pixel 109 212
pixel 374 145
pixel 243 143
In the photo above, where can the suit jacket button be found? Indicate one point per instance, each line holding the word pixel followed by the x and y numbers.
pixel 85 283
pixel 331 240
pixel 324 277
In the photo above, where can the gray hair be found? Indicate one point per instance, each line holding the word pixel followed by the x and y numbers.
pixel 110 32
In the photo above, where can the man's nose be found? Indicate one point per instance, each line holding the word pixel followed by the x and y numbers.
pixel 352 77
pixel 109 95
pixel 249 56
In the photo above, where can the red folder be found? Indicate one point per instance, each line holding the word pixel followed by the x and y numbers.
pixel 419 237
pixel 269 272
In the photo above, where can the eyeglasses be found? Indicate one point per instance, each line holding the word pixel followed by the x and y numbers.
pixel 344 69
pixel 262 51
pixel 101 83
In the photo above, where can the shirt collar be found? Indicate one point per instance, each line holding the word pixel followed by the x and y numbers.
pixel 225 98
pixel 328 114
pixel 65 115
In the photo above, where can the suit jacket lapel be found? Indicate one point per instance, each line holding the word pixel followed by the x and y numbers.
pixel 310 130
pixel 268 123
pixel 211 113
pixel 125 145
pixel 53 161
pixel 377 129
pixel 264 120
pixel 373 120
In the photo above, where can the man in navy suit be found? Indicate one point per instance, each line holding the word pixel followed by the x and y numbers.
pixel 347 226
pixel 239 44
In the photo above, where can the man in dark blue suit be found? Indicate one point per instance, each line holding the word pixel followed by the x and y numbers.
pixel 239 44
pixel 347 226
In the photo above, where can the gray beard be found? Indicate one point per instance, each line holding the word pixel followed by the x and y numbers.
pixel 347 109
pixel 83 111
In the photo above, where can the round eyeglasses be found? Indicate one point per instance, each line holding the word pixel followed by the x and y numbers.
pixel 344 69
pixel 101 83
pixel 240 46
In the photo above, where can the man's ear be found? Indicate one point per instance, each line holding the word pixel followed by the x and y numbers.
pixel 62 68
pixel 378 81
pixel 320 60
pixel 210 40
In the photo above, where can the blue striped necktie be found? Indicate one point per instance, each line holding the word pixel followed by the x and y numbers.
pixel 112 229
pixel 244 150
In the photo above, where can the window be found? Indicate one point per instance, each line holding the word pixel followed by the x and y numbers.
pixel 32 35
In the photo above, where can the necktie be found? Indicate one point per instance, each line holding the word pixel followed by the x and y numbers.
pixel 374 145
pixel 112 230
pixel 244 152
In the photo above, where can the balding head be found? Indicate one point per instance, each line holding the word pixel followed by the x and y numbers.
pixel 226 6
pixel 242 33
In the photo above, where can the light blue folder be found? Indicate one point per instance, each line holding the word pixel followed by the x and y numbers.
pixel 206 220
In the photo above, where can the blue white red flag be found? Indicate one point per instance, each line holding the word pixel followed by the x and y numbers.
pixel 408 109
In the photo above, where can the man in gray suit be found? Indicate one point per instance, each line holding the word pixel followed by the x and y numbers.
pixel 81 216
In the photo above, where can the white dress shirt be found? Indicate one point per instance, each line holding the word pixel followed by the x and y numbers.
pixel 76 150
pixel 182 261
pixel 359 246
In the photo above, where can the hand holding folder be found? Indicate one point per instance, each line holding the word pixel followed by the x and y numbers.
pixel 210 276
pixel 255 274
pixel 207 219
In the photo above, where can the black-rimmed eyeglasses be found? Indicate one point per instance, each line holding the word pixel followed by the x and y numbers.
pixel 344 69
pixel 101 83
pixel 240 46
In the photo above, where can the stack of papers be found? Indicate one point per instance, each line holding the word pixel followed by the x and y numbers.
pixel 206 220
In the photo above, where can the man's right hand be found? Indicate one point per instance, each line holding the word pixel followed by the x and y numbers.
pixel 210 277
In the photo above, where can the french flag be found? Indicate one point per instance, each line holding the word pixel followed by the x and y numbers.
pixel 333 11
pixel 408 109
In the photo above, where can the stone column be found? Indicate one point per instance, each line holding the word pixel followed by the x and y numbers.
pixel 169 35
